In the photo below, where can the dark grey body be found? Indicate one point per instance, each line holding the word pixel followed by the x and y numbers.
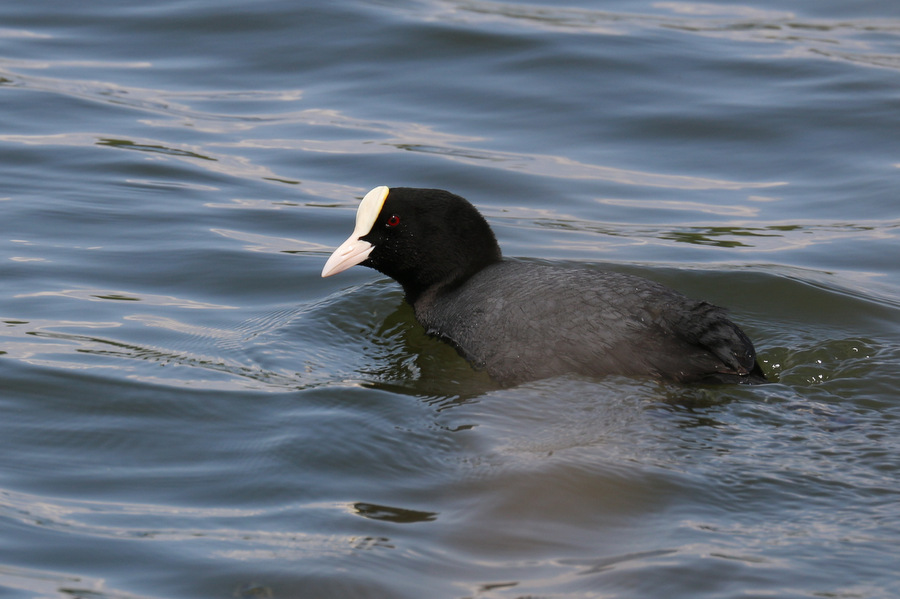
pixel 522 321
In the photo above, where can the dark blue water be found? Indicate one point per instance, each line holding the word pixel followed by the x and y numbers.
pixel 188 410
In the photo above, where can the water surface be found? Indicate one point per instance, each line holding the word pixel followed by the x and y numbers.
pixel 188 410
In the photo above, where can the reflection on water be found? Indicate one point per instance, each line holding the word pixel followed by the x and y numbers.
pixel 92 295
pixel 125 144
pixel 721 236
pixel 392 514
pixel 47 583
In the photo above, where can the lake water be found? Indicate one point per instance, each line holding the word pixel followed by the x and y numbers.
pixel 188 410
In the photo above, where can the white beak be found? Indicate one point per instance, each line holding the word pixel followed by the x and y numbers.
pixel 355 250
pixel 350 253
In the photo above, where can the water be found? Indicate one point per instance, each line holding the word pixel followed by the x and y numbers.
pixel 189 410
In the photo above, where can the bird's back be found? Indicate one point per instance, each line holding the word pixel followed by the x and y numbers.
pixel 523 321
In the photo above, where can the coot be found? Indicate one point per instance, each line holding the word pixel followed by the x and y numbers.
pixel 522 321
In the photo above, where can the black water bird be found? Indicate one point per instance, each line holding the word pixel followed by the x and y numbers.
pixel 522 321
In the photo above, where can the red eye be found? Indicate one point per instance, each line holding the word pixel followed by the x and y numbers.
pixel 393 220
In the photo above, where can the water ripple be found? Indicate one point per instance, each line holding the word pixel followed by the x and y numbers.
pixel 850 40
